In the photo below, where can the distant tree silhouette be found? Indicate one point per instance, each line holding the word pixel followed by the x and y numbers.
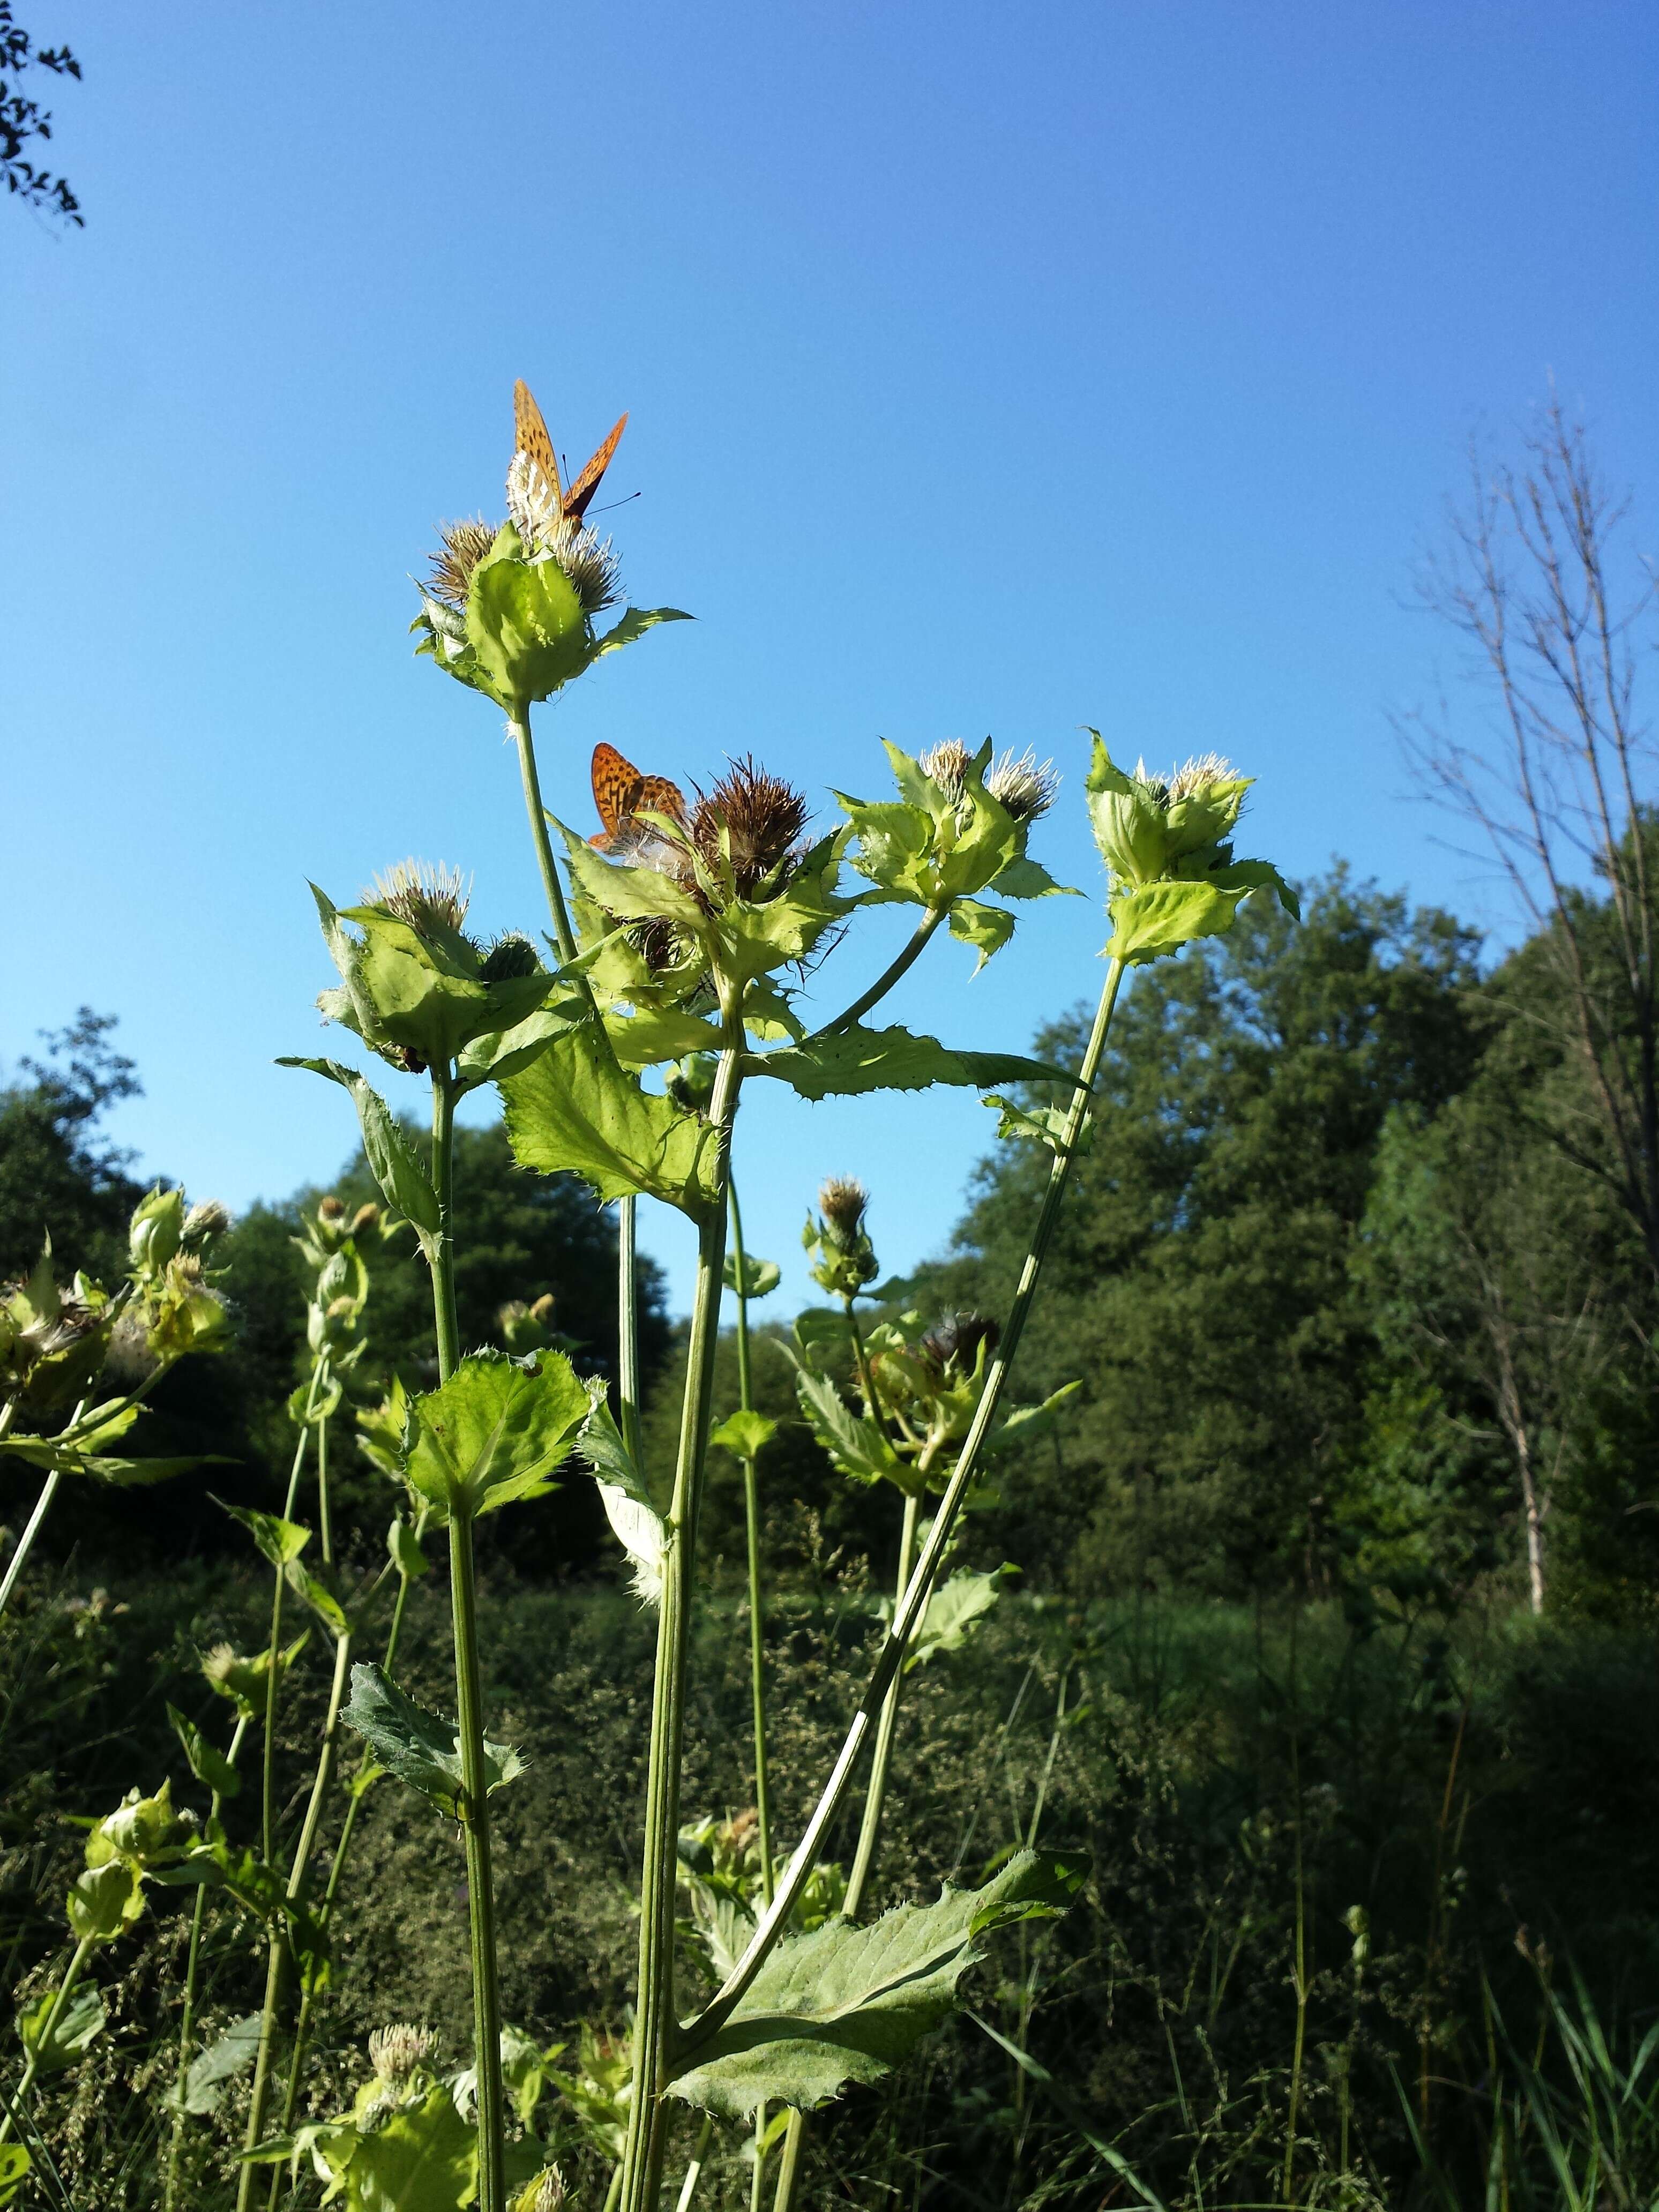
pixel 22 119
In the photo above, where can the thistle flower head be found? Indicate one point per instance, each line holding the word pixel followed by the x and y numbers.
pixel 204 1223
pixel 395 2052
pixel 948 764
pixel 461 546
pixel 509 957
pixel 1022 785
pixel 842 1201
pixel 547 533
pixel 751 816
pixel 1190 780
pixel 546 2193
pixel 423 896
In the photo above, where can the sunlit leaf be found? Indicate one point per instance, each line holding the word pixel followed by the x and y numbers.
pixel 210 1767
pixel 578 1110
pixel 81 2018
pixel 744 1434
pixel 418 1745
pixel 495 1431
pixel 856 1059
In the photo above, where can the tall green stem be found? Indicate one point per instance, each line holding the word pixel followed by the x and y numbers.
pixel 655 2024
pixel 444 1319
pixel 480 1888
pixel 43 2041
pixel 192 1965
pixel 751 1521
pixel 867 1718
pixel 26 1541
pixel 914 946
pixel 627 1332
pixel 563 936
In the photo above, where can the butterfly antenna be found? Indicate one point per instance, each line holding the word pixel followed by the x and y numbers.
pixel 626 499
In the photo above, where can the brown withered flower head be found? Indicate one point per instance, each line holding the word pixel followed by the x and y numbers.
pixel 842 1201
pixel 953 1343
pixel 756 816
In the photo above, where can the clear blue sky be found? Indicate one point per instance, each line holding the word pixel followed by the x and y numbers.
pixel 991 370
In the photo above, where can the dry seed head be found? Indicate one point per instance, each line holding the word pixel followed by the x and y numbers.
pixel 1023 784
pixel 421 895
pixel 461 546
pixel 394 2052
pixel 762 817
pixel 842 1201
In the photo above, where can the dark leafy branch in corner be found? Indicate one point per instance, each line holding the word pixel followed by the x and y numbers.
pixel 22 119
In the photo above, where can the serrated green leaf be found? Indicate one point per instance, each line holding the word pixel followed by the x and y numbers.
pixel 495 1431
pixel 418 1745
pixel 858 1446
pixel 403 1181
pixel 317 1595
pixel 988 927
pixel 210 1766
pixel 955 1608
pixel 578 1110
pixel 212 2073
pixel 636 1522
pixel 82 2018
pixel 760 1278
pixel 744 1434
pixel 848 2003
pixel 1028 879
pixel 278 1541
pixel 1039 1125
pixel 423 2158
pixel 652 1036
pixel 853 1060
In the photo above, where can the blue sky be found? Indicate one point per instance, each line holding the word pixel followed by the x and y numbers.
pixel 991 371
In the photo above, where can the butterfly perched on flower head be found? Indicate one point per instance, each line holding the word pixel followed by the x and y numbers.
pixel 530 431
pixel 622 794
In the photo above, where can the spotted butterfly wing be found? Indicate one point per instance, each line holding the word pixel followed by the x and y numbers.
pixel 621 794
pixel 530 430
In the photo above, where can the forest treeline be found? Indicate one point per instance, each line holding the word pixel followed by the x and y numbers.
pixel 1347 1281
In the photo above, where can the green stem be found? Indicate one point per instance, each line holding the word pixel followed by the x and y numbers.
pixel 260 2100
pixel 869 1828
pixel 693 2172
pixel 83 1951
pixel 563 936
pixel 445 1322
pixel 751 1521
pixel 187 2018
pixel 866 1719
pixel 480 1890
pixel 889 975
pixel 627 1332
pixel 26 1541
pixel 795 2142
pixel 655 2024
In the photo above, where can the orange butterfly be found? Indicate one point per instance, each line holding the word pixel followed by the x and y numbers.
pixel 530 432
pixel 621 794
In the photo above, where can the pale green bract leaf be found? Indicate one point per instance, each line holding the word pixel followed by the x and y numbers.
pixel 210 1766
pixel 634 623
pixel 578 1110
pixel 212 2073
pixel 1147 924
pixel 629 1508
pixel 418 1745
pixel 651 1035
pixel 1040 1125
pixel 403 1181
pixel 988 927
pixel 104 1900
pixel 423 2158
pixel 856 1059
pixel 625 890
pixel 759 1279
pixel 320 1599
pixel 278 1541
pixel 1030 879
pixel 495 1432
pixel 848 2003
pixel 14 2167
pixel 744 1434
pixel 403 1548
pixel 81 2020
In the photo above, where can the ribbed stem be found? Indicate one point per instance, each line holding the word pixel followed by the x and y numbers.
pixel 627 1331
pixel 480 1889
pixel 655 2025
pixel 869 1826
pixel 866 1719
pixel 445 1322
pixel 187 2016
pixel 751 1523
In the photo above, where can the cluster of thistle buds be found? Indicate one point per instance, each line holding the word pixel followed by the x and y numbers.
pixel 330 1241
pixel 846 1260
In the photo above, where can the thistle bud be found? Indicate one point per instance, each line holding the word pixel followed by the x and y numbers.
pixel 396 2050
pixel 526 1328
pixel 847 1259
pixel 365 1219
pixel 691 1085
pixel 546 2193
pixel 507 959
pixel 155 1231
pixel 331 1212
pixel 953 1345
pixel 203 1224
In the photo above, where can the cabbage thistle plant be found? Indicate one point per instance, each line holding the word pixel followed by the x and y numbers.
pixel 691 951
